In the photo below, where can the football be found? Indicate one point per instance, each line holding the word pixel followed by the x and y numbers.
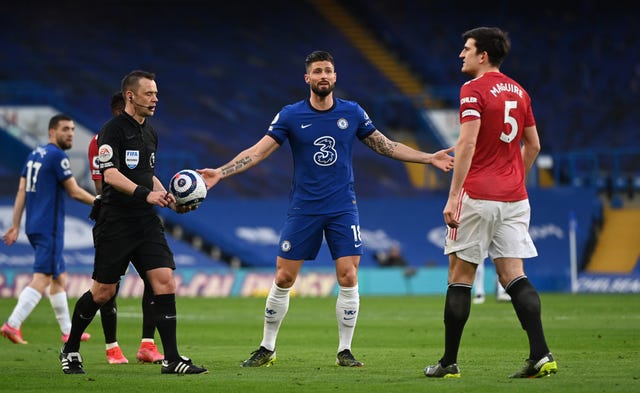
pixel 188 187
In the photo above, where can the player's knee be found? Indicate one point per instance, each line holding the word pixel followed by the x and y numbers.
pixel 347 277
pixel 284 282
pixel 348 281
pixel 162 281
pixel 285 279
pixel 103 293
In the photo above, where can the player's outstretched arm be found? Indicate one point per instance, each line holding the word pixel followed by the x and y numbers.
pixel 240 163
pixel 382 145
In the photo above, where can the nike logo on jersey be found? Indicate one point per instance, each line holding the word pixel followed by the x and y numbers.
pixel 357 245
pixel 303 126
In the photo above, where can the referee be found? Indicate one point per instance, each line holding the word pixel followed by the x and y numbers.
pixel 127 228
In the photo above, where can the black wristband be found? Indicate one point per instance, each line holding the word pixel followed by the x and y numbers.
pixel 141 192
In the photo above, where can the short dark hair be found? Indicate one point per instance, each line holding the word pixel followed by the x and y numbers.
pixel 53 122
pixel 492 40
pixel 318 55
pixel 117 102
pixel 132 79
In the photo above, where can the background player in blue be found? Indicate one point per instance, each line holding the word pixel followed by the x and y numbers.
pixel 45 178
pixel 321 131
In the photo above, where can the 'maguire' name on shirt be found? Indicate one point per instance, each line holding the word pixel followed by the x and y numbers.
pixel 505 87
pixel 495 90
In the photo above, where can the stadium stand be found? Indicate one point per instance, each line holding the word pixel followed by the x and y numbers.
pixel 571 59
pixel 225 69
pixel 220 82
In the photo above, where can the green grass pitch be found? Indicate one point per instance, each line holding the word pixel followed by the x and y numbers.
pixel 595 339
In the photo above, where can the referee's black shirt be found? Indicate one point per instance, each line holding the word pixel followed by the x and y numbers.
pixel 130 147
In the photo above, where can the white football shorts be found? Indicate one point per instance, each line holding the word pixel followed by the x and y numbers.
pixel 491 228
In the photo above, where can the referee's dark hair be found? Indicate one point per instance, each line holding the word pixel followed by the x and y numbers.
pixel 132 79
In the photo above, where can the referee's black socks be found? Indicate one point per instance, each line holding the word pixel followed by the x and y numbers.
pixel 164 307
pixel 83 313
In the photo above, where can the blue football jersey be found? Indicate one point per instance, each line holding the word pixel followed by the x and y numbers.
pixel 321 144
pixel 45 170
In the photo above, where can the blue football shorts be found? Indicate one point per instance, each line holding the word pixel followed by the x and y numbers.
pixel 302 235
pixel 48 250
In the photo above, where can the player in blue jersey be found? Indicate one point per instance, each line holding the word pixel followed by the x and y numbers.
pixel 321 131
pixel 45 178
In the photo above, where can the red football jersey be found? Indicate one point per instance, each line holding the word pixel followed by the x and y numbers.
pixel 504 108
pixel 93 159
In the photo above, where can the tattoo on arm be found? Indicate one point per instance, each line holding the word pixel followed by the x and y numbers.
pixel 236 166
pixel 381 144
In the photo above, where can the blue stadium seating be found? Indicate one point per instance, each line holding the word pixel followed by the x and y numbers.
pixel 224 70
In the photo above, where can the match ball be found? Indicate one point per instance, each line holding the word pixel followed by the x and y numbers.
pixel 188 187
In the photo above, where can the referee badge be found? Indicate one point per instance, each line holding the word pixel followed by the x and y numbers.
pixel 131 158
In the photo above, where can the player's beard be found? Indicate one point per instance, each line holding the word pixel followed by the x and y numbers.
pixel 64 145
pixel 322 92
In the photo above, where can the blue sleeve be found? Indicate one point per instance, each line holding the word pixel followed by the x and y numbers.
pixel 61 165
pixel 365 125
pixel 279 130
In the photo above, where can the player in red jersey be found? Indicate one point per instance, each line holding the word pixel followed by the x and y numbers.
pixel 487 212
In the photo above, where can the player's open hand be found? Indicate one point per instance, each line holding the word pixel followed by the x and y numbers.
pixel 443 160
pixel 211 176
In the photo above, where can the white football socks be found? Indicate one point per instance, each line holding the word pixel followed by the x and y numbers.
pixel 27 301
pixel 274 312
pixel 347 307
pixel 61 309
pixel 478 283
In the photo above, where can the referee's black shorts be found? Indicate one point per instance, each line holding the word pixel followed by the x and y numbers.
pixel 120 239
